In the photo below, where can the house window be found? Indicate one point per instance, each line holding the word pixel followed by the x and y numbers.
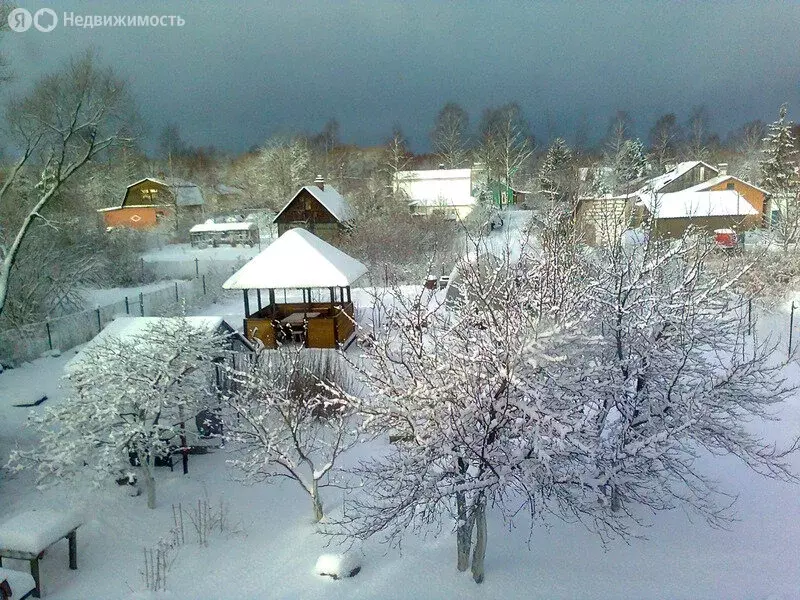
pixel 731 185
pixel 149 194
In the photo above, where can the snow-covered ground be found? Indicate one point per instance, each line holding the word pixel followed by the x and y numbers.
pixel 181 252
pixel 274 553
pixel 100 297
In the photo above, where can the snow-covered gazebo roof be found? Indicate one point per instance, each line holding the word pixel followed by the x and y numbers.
pixel 297 259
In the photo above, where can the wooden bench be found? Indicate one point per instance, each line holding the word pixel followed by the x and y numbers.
pixel 27 535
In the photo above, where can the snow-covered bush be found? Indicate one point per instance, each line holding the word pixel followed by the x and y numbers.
pixel 338 566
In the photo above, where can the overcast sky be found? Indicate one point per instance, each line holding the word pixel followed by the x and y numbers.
pixel 240 71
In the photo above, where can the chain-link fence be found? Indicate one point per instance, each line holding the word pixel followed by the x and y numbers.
pixel 31 341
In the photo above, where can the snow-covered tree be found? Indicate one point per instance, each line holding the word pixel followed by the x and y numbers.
pixel 557 172
pixel 449 135
pixel 396 158
pixel 506 144
pixel 130 396
pixel 455 386
pixel 664 137
pixel 623 165
pixel 68 119
pixel 780 178
pixel 288 417
pixel 275 171
pixel 581 407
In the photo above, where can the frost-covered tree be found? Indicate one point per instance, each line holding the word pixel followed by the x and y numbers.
pixel 557 173
pixel 779 176
pixel 67 120
pixel 747 141
pixel 455 387
pixel 664 137
pixel 287 417
pixel 449 135
pixel 506 144
pixel 581 406
pixel 275 171
pixel 130 396
pixel 624 164
pixel 396 157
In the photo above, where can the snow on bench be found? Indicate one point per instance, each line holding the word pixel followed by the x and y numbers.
pixel 21 583
pixel 34 531
pixel 27 535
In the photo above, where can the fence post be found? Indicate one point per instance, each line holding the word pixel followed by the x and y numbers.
pixel 750 317
pixel 204 284
pixel 127 306
pixel 197 267
pixel 142 263
pixel 99 325
pixel 791 328
pixel 141 303
pixel 177 299
pixel 49 335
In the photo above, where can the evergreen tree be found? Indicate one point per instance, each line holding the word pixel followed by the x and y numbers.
pixel 779 178
pixel 555 171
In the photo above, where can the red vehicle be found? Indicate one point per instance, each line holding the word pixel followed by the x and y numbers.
pixel 726 238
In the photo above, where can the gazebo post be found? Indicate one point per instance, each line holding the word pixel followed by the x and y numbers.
pixel 246 304
pixel 304 295
pixel 348 294
pixel 258 295
pixel 272 301
pixel 333 296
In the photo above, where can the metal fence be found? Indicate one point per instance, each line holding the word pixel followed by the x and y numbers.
pixel 62 333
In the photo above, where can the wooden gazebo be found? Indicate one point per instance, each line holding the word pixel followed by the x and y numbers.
pixel 298 260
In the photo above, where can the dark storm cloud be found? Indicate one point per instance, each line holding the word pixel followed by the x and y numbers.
pixel 238 72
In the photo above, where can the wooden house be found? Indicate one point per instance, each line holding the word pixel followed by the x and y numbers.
pixel 150 203
pixel 323 316
pixel 317 208
pixel 692 193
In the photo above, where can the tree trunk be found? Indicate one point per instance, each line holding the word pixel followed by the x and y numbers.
pixel 149 483
pixel 480 539
pixel 318 514
pixel 463 532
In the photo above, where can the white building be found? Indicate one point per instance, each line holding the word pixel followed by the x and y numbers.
pixel 447 191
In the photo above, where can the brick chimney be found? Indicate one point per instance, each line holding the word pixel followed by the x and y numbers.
pixel 722 168
pixel 320 182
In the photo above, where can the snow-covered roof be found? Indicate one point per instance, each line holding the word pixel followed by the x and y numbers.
pixel 332 200
pixel 656 183
pixel 297 259
pixel 722 179
pixel 209 227
pixel 689 204
pixel 188 195
pixel 437 187
pixel 186 192
pixel 126 328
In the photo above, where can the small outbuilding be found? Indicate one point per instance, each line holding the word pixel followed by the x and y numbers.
pixel 215 234
pixel 299 260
